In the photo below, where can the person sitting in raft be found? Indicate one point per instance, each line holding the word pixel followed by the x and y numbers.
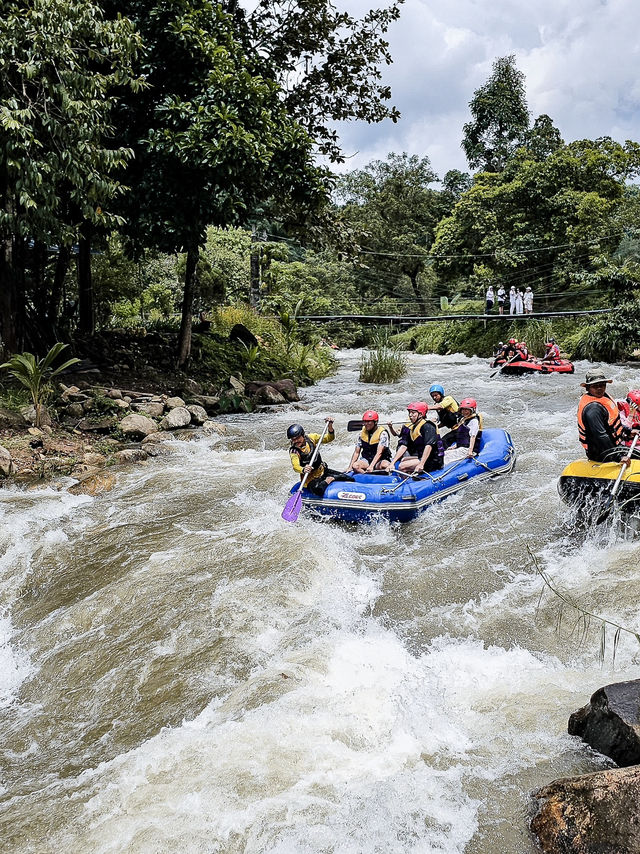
pixel 599 427
pixel 419 446
pixel 552 354
pixel 372 451
pixel 446 407
pixel 301 450
pixel 510 349
pixel 522 348
pixel 629 410
pixel 466 435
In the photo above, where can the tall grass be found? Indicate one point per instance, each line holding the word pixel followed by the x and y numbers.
pixel 384 364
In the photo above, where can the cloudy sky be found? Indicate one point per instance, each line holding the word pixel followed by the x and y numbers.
pixel 580 58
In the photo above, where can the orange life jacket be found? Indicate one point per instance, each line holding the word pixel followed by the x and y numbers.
pixel 612 412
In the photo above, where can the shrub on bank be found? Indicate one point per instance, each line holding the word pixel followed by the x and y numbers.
pixel 475 338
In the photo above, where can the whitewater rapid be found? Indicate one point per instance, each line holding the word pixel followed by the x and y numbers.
pixel 182 670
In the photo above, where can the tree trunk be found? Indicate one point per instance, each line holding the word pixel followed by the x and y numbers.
pixel 184 339
pixel 55 297
pixel 413 278
pixel 254 286
pixel 8 300
pixel 86 318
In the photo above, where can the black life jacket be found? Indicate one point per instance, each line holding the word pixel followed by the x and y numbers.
pixel 412 435
pixel 463 436
pixel 370 442
pixel 305 453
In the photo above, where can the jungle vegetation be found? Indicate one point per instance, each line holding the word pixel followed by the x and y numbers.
pixel 161 160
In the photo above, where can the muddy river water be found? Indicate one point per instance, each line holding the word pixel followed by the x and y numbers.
pixel 183 671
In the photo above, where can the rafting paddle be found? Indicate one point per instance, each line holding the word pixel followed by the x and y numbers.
pixel 512 359
pixel 352 426
pixel 294 504
pixel 616 486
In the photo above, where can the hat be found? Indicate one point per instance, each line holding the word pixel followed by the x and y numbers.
pixel 528 289
pixel 594 377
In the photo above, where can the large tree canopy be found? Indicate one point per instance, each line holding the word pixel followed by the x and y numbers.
pixel 60 65
pixel 394 212
pixel 327 62
pixel 500 118
pixel 211 137
pixel 540 219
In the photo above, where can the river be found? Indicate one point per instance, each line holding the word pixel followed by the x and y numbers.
pixel 183 671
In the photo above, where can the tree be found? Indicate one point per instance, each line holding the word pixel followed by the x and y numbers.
pixel 211 138
pixel 543 139
pixel 540 222
pixel 326 61
pixel 59 66
pixel 393 209
pixel 500 118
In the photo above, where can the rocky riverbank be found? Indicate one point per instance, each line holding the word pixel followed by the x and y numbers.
pixel 87 429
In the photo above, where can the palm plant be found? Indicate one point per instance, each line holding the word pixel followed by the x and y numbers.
pixel 36 374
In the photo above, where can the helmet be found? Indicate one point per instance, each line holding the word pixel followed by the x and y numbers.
pixel 521 344
pixel 634 397
pixel 468 403
pixel 512 341
pixel 420 407
pixel 294 431
pixel 370 415
pixel 438 388
pixel 550 342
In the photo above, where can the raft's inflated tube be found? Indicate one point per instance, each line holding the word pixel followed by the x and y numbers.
pixel 582 481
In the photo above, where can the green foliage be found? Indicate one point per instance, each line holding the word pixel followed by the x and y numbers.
pixel 36 374
pixel 500 117
pixel 326 61
pixel 60 66
pixel 473 338
pixel 384 364
pixel 611 339
pixel 393 213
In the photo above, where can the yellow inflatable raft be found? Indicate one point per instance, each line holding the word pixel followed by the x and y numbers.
pixel 582 481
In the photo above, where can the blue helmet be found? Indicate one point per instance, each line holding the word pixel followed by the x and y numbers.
pixel 438 388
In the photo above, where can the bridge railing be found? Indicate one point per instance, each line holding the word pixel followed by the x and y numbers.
pixel 414 320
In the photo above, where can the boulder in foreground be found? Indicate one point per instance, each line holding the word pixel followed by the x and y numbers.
pixel 590 814
pixel 610 722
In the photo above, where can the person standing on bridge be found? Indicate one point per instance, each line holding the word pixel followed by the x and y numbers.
pixel 512 300
pixel 519 302
pixel 490 300
pixel 502 295
pixel 528 301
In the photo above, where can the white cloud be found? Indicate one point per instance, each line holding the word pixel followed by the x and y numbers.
pixel 580 59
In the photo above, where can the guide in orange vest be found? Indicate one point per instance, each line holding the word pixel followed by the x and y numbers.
pixel 599 427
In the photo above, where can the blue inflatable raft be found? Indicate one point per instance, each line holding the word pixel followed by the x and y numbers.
pixel 401 498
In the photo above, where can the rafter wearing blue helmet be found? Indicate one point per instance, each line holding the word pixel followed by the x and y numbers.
pixel 446 406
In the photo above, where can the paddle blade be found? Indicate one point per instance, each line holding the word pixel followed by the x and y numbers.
pixel 606 509
pixel 352 426
pixel 292 507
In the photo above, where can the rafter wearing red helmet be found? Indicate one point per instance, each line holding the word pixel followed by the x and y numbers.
pixel 419 446
pixel 629 409
pixel 372 451
pixel 462 441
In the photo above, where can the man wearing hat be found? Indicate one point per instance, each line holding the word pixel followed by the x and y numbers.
pixel 599 427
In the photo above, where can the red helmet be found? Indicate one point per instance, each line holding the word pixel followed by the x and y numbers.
pixel 634 397
pixel 521 344
pixel 512 340
pixel 418 407
pixel 468 403
pixel 370 415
